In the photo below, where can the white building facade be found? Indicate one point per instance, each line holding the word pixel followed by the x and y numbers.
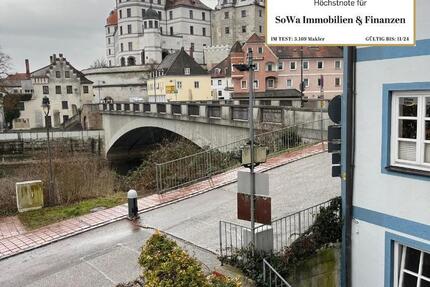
pixel 221 81
pixel 67 89
pixel 234 20
pixel 119 84
pixel 391 192
pixel 144 32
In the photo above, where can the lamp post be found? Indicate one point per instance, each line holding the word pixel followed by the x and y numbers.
pixel 46 105
pixel 250 67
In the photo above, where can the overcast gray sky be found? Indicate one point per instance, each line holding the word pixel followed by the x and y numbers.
pixel 36 29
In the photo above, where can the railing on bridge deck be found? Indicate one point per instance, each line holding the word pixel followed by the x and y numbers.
pixel 186 170
pixel 263 114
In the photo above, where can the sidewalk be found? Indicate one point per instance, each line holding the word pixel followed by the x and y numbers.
pixel 15 240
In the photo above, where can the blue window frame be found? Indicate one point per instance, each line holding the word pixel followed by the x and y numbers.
pixel 390 265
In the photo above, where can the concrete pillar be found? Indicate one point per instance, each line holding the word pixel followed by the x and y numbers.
pixel 169 109
pixel 226 113
pixel 184 109
pixel 203 111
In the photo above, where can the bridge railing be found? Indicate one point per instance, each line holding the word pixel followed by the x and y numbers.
pixel 189 169
pixel 218 112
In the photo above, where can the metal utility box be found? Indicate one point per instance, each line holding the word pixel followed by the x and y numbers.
pixel 29 195
pixel 260 155
pixel 263 238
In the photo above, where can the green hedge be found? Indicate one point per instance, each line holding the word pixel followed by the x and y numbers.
pixel 165 264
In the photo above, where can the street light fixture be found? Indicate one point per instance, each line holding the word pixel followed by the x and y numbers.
pixel 250 68
pixel 46 106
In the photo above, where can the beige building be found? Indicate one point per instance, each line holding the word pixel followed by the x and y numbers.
pixel 67 89
pixel 179 78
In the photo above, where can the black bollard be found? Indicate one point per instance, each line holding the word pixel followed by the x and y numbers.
pixel 132 205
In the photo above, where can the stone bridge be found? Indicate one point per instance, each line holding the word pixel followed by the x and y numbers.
pixel 129 127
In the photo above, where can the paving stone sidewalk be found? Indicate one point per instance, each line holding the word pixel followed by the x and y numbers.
pixel 14 239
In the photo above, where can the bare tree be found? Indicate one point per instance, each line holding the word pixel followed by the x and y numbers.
pixel 99 63
pixel 5 62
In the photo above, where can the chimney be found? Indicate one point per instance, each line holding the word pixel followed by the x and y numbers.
pixel 192 51
pixel 27 67
pixel 54 58
pixel 60 55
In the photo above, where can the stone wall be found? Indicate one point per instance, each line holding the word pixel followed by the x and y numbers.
pixel 322 270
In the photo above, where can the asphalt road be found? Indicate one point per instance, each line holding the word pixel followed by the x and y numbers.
pixel 108 255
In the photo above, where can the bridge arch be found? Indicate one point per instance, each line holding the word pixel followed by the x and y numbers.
pixel 123 130
pixel 136 133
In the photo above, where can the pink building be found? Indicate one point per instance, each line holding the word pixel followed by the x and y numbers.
pixel 278 69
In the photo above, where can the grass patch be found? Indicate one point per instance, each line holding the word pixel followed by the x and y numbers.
pixel 46 216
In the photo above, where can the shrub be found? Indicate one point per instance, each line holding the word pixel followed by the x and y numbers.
pixel 327 229
pixel 219 280
pixel 165 264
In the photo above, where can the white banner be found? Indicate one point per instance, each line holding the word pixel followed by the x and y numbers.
pixel 340 22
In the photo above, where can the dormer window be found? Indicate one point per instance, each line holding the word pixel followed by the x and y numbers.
pixel 187 71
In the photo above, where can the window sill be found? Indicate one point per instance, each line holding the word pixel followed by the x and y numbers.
pixel 410 171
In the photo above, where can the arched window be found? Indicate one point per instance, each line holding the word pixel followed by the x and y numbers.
pixel 131 61
pixel 122 61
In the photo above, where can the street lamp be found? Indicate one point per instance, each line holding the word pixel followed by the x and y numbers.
pixel 46 106
pixel 250 67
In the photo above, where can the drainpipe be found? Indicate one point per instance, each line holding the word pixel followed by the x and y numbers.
pixel 348 148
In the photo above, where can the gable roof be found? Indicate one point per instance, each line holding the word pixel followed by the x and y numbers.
pixel 237 48
pixel 170 4
pixel 255 39
pixel 222 70
pixel 174 64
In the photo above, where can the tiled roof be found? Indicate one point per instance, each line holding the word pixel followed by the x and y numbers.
pixel 174 65
pixel 293 52
pixel 18 77
pixel 170 4
pixel 255 39
pixel 308 52
pixel 112 19
pixel 222 70
pixel 15 79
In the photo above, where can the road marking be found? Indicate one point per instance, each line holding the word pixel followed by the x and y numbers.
pixel 128 248
pixel 98 270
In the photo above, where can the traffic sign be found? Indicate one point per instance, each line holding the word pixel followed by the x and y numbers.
pixel 334 109
pixel 261 183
